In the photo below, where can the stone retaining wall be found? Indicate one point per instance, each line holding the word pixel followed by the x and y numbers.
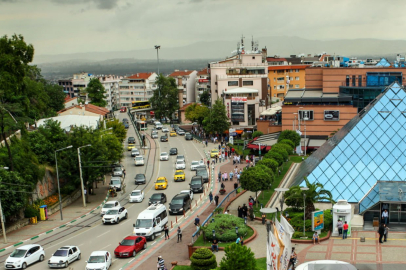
pixel 65 202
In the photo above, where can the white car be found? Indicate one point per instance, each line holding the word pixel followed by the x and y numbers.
pixel 180 165
pixel 115 215
pixel 139 161
pixel 23 256
pixel 118 171
pixel 136 196
pixel 181 132
pixel 164 156
pixel 135 152
pixel 180 157
pixel 64 256
pixel 190 192
pixel 154 134
pixel 109 205
pixel 99 260
pixel 195 164
pixel 165 129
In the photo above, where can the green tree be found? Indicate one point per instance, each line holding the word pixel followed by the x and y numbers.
pixel 287 148
pixel 118 129
pixel 238 257
pixel 257 134
pixel 205 98
pixel 290 135
pixel 270 163
pixel 275 156
pixel 255 179
pixel 280 150
pixel 288 142
pixel 196 113
pixel 56 96
pixel 316 193
pixel 203 259
pixel 165 98
pixel 217 120
pixel 96 92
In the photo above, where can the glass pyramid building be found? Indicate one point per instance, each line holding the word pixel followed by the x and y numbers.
pixel 368 150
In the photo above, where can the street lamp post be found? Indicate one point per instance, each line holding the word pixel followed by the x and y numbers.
pixel 282 200
pixel 304 209
pixel 3 228
pixel 57 178
pixel 81 177
pixel 157 47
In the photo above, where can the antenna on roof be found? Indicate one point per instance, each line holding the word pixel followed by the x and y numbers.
pixel 252 43
pixel 242 41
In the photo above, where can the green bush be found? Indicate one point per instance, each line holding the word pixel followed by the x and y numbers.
pixel 297 234
pixel 275 156
pixel 68 189
pixel 257 134
pixel 296 220
pixel 288 142
pixel 270 163
pixel 290 135
pixel 224 227
pixel 238 257
pixel 203 259
pixel 30 212
pixel 287 147
pixel 280 150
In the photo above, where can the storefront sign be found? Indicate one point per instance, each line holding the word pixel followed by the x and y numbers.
pixel 239 99
pixel 331 115
pixel 317 220
pixel 203 80
pixel 228 109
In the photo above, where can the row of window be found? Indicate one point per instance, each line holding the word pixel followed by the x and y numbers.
pixel 235 83
pixel 136 99
pixel 131 87
pixel 133 93
pixel 283 71
pixel 65 83
pixel 279 79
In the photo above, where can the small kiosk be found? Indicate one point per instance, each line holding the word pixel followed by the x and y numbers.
pixel 341 210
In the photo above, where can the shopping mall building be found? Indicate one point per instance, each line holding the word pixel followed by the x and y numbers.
pixel 365 161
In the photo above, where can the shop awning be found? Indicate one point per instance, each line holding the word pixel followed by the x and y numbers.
pixel 271 111
pixel 240 90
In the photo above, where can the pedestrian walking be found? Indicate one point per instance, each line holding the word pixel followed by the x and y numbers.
pixel 381 231
pixel 216 199
pixel 292 260
pixel 340 227
pixel 217 158
pixel 206 146
pixel 197 221
pixel 231 175
pixel 223 156
pixel 220 176
pixel 226 155
pixel 345 230
pixel 239 210
pixel 238 177
pixel 263 218
pixel 235 170
pixel 385 216
pixel 179 234
pixel 161 263
pixel 244 210
pixel 210 197
pixel 219 147
pixel 235 185
pixel 208 164
pixel 225 176
pixel 222 186
pixel 385 233
pixel 166 230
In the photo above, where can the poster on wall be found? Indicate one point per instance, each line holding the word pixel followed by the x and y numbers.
pixel 331 115
pixel 317 220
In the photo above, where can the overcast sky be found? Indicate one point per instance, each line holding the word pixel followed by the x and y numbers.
pixel 71 26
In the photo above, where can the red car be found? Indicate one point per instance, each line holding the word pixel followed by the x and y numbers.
pixel 130 246
pixel 123 109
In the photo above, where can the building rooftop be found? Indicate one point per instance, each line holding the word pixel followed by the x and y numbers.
pixel 67 121
pixel 144 75
pixel 203 72
pixel 177 73
pixel 88 107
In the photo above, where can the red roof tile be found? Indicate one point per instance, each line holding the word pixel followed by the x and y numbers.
pixel 287 67
pixel 275 59
pixel 67 99
pixel 180 73
pixel 144 75
pixel 88 107
pixel 202 72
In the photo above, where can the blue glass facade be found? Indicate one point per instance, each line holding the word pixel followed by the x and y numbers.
pixel 370 148
pixel 376 79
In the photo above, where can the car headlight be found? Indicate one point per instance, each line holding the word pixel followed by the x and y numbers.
pixel 181 209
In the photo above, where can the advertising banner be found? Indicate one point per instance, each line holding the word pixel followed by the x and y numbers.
pixel 288 228
pixel 238 99
pixel 285 243
pixel 317 220
pixel 272 252
pixel 331 115
pixel 203 80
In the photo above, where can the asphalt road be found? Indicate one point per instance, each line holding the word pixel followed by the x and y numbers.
pixel 91 235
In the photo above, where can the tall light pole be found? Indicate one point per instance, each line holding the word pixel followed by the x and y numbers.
pixel 282 200
pixel 57 178
pixel 304 209
pixel 157 47
pixel 3 228
pixel 81 177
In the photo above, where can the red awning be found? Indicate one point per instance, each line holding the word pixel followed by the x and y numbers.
pixel 256 147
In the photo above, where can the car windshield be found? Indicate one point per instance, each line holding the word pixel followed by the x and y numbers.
pixel 173 149
pixel 156 196
pixel 112 212
pixel 135 193
pixel 96 259
pixel 139 176
pixel 179 173
pixel 177 201
pixel 116 169
pixel 160 181
pixel 180 162
pixel 61 253
pixel 139 158
pixel 201 172
pixel 108 205
pixel 143 223
pixel 127 242
pixel 164 154
pixel 115 182
pixel 180 157
pixel 195 162
pixel 194 182
pixel 18 253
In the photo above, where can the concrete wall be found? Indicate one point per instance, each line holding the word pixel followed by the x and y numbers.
pixel 266 127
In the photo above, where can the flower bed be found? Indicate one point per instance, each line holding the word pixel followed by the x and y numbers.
pixel 51 200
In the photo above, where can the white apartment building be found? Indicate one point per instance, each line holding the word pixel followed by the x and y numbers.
pixel 138 87
pixel 111 85
pixel 241 82
pixel 188 79
pixel 79 82
pixel 202 83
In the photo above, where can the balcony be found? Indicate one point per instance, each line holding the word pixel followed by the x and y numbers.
pixel 239 65
pixel 254 76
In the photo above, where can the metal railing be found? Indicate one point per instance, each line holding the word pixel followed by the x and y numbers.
pixel 135 126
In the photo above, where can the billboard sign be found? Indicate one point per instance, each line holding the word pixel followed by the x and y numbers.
pixel 331 115
pixel 306 115
pixel 317 220
pixel 238 99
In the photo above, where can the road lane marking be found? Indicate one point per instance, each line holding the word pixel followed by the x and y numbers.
pixel 153 243
pixel 105 247
pixel 103 234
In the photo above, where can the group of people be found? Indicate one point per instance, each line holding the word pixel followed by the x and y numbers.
pixel 233 173
pixel 342 228
pixel 216 198
pixel 178 232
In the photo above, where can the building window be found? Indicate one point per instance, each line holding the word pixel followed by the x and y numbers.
pixel 290 70
pixel 347 81
pixel 281 79
pixel 296 86
pixel 274 87
pixel 248 83
pixel 232 83
pixel 296 70
pixel 359 80
pixel 290 85
pixel 297 78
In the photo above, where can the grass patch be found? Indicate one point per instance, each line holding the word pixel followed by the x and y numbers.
pixel 200 243
pixel 261 264
pixel 297 159
pixel 266 195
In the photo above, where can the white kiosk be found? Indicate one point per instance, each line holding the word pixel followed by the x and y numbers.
pixel 341 210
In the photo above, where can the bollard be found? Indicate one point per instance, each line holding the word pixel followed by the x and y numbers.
pixel 171 225
pixel 176 220
pixel 200 196
pixel 196 203
pixel 184 213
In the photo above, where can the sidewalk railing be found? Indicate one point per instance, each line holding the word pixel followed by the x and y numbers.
pixel 135 127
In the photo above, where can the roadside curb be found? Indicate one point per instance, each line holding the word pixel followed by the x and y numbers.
pixel 56 228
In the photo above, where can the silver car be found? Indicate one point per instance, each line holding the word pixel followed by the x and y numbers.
pixel 118 171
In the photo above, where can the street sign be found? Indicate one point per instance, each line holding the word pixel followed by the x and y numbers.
pixel 233 133
pixel 231 140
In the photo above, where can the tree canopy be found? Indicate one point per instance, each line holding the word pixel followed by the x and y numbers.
pixel 196 113
pixel 96 92
pixel 216 121
pixel 290 135
pixel 238 257
pixel 205 98
pixel 256 178
pixel 165 98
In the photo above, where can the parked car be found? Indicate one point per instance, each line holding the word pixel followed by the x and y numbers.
pixel 180 165
pixel 140 179
pixel 164 138
pixel 109 205
pixel 139 161
pixel 64 256
pixel 115 215
pixel 196 184
pixel 123 109
pixel 115 182
pixel 136 196
pixel 203 173
pixel 179 203
pixel 130 246
pixel 195 164
pixel 157 198
pixel 173 151
pixel 187 191
pixel 135 152
pixel 161 183
pixel 99 260
pixel 118 171
pixel 24 256
pixel 131 140
pixel 188 137
pixel 164 156
pixel 165 129
pixel 179 175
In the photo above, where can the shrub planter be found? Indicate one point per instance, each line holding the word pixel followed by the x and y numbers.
pixel 228 203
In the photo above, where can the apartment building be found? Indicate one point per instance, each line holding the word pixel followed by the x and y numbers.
pixel 67 86
pixel 79 83
pixel 188 79
pixel 202 83
pixel 138 87
pixel 285 77
pixel 241 82
pixel 111 86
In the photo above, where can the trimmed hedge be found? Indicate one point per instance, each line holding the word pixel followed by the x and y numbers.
pixel 203 259
pixel 275 156
pixel 270 163
pixel 224 226
pixel 288 142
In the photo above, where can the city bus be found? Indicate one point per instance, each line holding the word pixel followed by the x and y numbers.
pixel 141 125
pixel 136 105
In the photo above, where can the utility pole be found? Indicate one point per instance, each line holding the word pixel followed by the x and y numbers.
pixel 57 179
pixel 81 176
pixel 157 47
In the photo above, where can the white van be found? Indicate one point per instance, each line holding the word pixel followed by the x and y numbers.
pixel 151 221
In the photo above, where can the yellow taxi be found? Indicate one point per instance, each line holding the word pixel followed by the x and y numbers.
pixel 214 153
pixel 173 134
pixel 130 146
pixel 161 183
pixel 179 175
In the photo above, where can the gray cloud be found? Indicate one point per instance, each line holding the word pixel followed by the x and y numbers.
pixel 100 4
